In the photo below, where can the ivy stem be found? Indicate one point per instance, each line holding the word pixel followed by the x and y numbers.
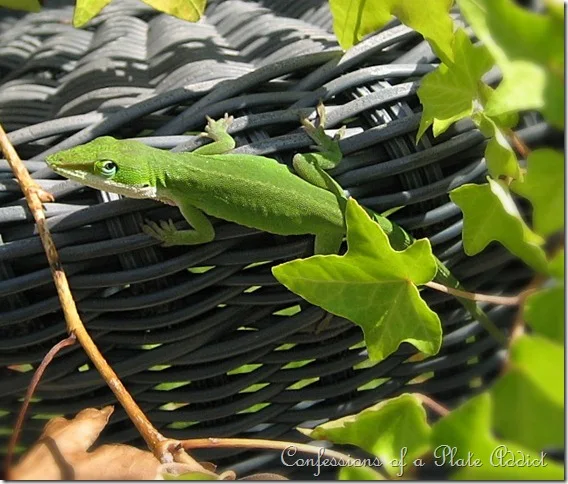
pixel 209 443
pixel 474 296
pixel 433 404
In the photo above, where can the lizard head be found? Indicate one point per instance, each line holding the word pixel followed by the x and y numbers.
pixel 108 164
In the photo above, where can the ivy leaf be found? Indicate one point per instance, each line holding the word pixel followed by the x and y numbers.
pixel 490 214
pixel 504 120
pixel 433 23
pixel 357 18
pixel 384 430
pixel 190 10
pixel 499 156
pixel 544 312
pixel 448 93
pixel 352 473
pixel 463 441
pixel 529 49
pixel 372 285
pixel 85 10
pixel 544 187
pixel 542 362
pixel 529 399
pixel 27 5
pixel 556 266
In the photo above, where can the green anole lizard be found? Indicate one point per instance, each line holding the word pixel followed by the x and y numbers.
pixel 250 190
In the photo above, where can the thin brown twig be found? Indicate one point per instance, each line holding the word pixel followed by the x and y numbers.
pixel 474 296
pixel 70 340
pixel 518 143
pixel 34 196
pixel 433 404
pixel 518 327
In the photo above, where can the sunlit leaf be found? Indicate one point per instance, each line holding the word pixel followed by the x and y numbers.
pixel 354 19
pixel 448 94
pixel 529 48
pixel 544 312
pixel 528 399
pixel 190 10
pixel 544 187
pixel 500 157
pixel 372 285
pixel 463 441
pixel 556 265
pixel 490 214
pixel 384 430
pixel 85 10
pixel 542 361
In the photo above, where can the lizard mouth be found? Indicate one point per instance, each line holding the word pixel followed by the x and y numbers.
pixel 105 184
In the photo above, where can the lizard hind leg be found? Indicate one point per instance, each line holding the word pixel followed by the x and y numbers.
pixel 327 156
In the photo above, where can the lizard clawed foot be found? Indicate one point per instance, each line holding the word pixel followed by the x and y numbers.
pixel 320 109
pixel 317 133
pixel 162 231
pixel 323 142
pixel 340 133
pixel 216 129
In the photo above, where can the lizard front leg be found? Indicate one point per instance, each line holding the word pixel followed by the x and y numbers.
pixel 223 142
pixel 166 231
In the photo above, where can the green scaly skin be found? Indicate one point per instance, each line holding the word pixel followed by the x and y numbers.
pixel 250 190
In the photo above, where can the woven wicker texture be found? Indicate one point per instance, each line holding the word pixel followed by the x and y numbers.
pixel 205 339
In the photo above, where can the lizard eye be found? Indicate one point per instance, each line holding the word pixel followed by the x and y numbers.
pixel 108 168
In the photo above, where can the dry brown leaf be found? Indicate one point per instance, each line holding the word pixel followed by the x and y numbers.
pixel 61 453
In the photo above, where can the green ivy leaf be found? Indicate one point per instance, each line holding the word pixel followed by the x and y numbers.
pixel 529 49
pixel 190 10
pixel 500 157
pixel 433 23
pixel 449 92
pixel 556 266
pixel 371 285
pixel 85 10
pixel 490 214
pixel 359 474
pixel 544 187
pixel 354 19
pixel 541 361
pixel 544 312
pixel 27 5
pixel 523 415
pixel 463 441
pixel 384 430
pixel 528 400
pixel 502 121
